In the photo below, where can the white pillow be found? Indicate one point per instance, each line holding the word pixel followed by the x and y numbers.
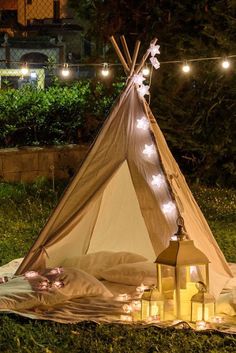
pixel 96 262
pixel 132 274
pixel 225 305
pixel 78 283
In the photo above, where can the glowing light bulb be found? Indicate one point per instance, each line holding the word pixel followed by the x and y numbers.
pixel 146 71
pixel 225 64
pixel 143 123
pixel 33 75
pixel 185 68
pixel 24 70
pixel 149 150
pixel 143 90
pixel 105 70
pixel 65 71
pixel 168 208
pixel 158 180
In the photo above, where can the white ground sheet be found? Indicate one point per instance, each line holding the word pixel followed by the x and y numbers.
pixel 98 309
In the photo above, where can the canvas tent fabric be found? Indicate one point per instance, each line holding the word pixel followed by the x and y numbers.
pixel 112 204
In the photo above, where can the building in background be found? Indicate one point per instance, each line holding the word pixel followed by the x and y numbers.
pixel 40 32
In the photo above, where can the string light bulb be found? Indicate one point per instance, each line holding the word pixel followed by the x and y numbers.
pixel 24 69
pixel 225 64
pixel 143 123
pixel 105 70
pixel 186 67
pixel 33 75
pixel 146 71
pixel 65 70
pixel 149 150
pixel 158 180
pixel 168 208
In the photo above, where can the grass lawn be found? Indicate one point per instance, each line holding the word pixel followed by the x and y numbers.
pixel 23 211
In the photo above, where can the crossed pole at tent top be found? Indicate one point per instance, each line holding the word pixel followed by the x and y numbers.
pixel 130 63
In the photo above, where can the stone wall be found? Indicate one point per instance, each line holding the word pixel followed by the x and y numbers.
pixel 28 163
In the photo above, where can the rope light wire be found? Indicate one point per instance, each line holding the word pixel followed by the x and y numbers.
pixel 224 62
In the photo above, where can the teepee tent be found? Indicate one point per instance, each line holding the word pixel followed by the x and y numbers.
pixel 128 193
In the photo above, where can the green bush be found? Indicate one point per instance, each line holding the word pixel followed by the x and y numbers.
pixel 57 115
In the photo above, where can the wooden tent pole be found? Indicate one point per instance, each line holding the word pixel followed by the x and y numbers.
pixel 135 55
pixel 118 52
pixel 126 50
pixel 139 68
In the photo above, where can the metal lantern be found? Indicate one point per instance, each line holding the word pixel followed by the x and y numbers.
pixel 179 267
pixel 152 304
pixel 202 304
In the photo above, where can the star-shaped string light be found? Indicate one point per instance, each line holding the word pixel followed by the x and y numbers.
pixel 143 90
pixel 158 180
pixel 154 49
pixel 138 79
pixel 143 123
pixel 149 150
pixel 168 208
pixel 31 274
pixel 155 63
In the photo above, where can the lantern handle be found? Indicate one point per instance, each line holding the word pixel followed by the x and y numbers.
pixel 181 234
pixel 201 286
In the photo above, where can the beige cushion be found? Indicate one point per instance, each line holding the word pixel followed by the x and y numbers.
pixel 94 263
pixel 132 274
pixel 77 283
pixel 21 293
pixel 225 305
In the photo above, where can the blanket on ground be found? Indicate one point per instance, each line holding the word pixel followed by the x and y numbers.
pixel 100 301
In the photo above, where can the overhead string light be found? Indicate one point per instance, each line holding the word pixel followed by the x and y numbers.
pixel 65 70
pixel 186 67
pixel 24 69
pixel 225 64
pixel 146 71
pixel 105 70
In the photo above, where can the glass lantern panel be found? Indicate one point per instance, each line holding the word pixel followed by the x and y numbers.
pixel 167 280
pixel 197 311
pixel 145 309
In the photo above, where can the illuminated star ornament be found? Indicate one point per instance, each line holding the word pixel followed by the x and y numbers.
pixel 143 123
pixel 138 79
pixel 158 180
pixel 143 90
pixel 154 49
pixel 168 208
pixel 149 150
pixel 155 63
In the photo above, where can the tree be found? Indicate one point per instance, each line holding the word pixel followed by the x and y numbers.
pixel 196 113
